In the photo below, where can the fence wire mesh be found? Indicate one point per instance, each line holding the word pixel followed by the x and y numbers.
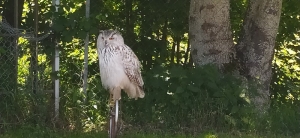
pixel 8 58
pixel 21 62
pixel 29 60
pixel 25 75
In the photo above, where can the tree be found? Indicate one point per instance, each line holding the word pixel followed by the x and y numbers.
pixel 210 32
pixel 212 41
pixel 255 48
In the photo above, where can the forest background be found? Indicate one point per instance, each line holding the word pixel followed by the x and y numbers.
pixel 196 58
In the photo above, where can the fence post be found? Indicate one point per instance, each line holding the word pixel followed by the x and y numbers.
pixel 56 3
pixel 17 37
pixel 86 51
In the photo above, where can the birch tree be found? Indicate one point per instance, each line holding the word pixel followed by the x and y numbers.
pixel 212 42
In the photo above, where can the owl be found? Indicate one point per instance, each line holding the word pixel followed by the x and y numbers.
pixel 119 66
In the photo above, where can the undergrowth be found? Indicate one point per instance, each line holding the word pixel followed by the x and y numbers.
pixel 178 102
pixel 27 131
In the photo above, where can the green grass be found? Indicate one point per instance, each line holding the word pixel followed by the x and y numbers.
pixel 39 132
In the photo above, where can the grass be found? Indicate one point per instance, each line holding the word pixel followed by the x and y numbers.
pixel 40 132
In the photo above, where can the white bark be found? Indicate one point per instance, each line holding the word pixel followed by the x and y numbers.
pixel 210 33
pixel 211 40
pixel 255 48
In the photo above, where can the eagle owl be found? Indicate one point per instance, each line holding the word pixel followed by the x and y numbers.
pixel 119 66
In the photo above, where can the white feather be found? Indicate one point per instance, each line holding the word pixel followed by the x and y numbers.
pixel 119 66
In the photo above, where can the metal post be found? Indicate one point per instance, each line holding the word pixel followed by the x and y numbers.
pixel 56 82
pixel 35 49
pixel 56 3
pixel 117 112
pixel 86 50
pixel 16 25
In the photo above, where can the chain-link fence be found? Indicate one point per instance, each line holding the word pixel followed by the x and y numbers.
pixel 20 59
pixel 27 61
pixel 24 74
pixel 8 58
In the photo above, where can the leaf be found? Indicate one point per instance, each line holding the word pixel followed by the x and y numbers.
pixel 94 30
pixel 218 94
pixel 82 34
pixel 200 82
pixel 177 72
pixel 234 109
pixel 174 102
pixel 58 27
pixel 179 90
pixel 212 86
pixel 67 36
pixel 193 88
pixel 100 17
pixel 232 99
pixel 2 50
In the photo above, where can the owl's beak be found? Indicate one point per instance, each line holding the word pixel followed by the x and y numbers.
pixel 105 42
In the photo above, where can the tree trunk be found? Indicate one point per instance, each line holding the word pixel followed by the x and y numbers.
pixel 211 41
pixel 8 11
pixel 178 54
pixel 186 54
pixel 163 54
pixel 130 36
pixel 210 32
pixel 255 48
pixel 173 53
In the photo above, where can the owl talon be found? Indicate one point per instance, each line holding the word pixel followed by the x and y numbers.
pixel 112 113
pixel 111 102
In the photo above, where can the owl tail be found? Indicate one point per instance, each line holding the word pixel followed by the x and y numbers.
pixel 139 92
pixel 134 91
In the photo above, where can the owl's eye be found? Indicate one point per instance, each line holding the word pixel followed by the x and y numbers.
pixel 102 38
pixel 111 38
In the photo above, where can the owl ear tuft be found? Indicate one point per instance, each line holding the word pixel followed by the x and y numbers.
pixel 117 32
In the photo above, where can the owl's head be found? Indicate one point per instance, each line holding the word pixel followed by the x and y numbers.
pixel 109 38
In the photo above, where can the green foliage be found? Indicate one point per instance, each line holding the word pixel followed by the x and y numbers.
pixel 285 119
pixel 237 14
pixel 38 132
pixel 285 84
pixel 179 98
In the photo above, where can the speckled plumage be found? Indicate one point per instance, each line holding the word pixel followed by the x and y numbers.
pixel 119 66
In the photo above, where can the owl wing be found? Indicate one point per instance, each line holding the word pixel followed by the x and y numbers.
pixel 132 66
